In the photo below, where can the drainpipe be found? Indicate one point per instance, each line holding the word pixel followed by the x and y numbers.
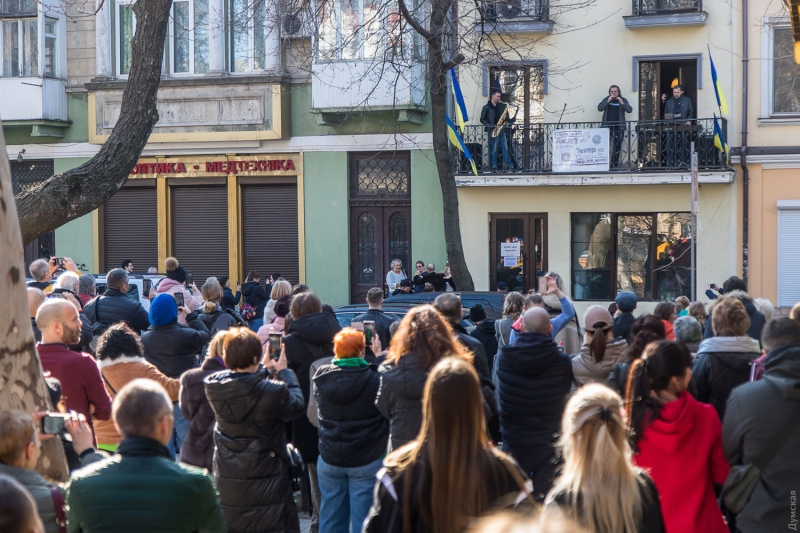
pixel 745 171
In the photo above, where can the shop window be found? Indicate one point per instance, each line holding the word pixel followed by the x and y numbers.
pixel 648 254
pixel 20 38
pixel 189 37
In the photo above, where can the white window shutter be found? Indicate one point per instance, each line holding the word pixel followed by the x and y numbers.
pixel 788 255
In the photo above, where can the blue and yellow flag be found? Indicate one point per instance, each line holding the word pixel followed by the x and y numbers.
pixel 460 106
pixel 721 102
pixel 458 142
pixel 719 140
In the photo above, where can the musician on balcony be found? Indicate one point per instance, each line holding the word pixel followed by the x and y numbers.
pixel 614 108
pixel 491 116
pixel 678 108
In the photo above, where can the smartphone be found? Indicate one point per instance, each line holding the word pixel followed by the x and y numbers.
pixel 189 278
pixel 178 298
pixel 369 331
pixel 543 285
pixel 58 262
pixel 275 346
pixel 147 284
pixel 53 424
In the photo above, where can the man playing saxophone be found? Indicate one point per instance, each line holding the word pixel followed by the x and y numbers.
pixel 493 116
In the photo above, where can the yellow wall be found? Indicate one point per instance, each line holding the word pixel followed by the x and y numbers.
pixel 717 259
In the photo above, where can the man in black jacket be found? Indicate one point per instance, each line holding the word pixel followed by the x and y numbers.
pixel 114 306
pixel 257 297
pixel 756 416
pixel 484 332
pixel 173 348
pixel 381 319
pixel 533 378
pixel 490 116
pixel 614 107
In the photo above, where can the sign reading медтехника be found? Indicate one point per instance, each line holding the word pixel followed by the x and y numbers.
pixel 214 167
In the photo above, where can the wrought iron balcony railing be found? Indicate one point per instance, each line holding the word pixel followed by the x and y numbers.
pixel 665 7
pixel 495 10
pixel 635 146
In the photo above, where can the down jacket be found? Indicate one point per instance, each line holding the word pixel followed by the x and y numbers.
pixel 169 286
pixel 113 307
pixel 254 482
pixel 173 348
pixel 723 363
pixel 256 296
pixel 400 397
pixel 352 432
pixel 757 320
pixel 198 445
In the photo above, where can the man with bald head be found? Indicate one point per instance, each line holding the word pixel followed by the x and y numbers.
pixel 81 383
pixel 533 378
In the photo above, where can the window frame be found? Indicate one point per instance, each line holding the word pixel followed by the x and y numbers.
pixel 118 5
pixel 614 272
pixel 191 37
pixel 43 47
pixel 408 44
pixel 769 25
pixel 21 24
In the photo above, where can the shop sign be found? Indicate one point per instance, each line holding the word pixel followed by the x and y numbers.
pixel 224 166
pixel 580 150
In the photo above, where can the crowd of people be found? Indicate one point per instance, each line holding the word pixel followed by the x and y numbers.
pixel 678 421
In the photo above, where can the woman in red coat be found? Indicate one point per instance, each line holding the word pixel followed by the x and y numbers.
pixel 677 439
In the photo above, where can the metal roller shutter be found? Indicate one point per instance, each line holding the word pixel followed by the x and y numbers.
pixel 270 230
pixel 200 230
pixel 788 254
pixel 131 229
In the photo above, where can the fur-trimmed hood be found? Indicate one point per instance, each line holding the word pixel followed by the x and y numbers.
pixel 105 363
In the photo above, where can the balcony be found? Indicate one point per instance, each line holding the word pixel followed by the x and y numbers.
pixel 650 151
pixel 515 16
pixel 660 13
pixel 40 103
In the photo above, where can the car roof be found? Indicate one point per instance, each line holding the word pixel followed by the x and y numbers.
pixel 492 302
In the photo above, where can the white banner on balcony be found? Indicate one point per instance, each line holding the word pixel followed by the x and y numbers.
pixel 580 150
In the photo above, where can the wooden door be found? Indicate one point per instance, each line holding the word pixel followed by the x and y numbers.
pixel 530 231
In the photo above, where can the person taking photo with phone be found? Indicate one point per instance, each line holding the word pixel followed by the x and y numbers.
pixel 614 108
pixel 175 282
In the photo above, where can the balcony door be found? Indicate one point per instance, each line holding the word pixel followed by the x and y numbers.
pixel 657 78
pixel 380 219
pixel 519 272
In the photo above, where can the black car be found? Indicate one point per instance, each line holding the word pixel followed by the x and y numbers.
pixel 492 302
pixel 346 313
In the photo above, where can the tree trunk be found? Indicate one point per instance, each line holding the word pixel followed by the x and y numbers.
pixel 74 193
pixel 22 383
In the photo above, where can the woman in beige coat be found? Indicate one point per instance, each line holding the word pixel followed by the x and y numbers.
pixel 600 350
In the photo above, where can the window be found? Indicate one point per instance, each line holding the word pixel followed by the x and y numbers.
pixel 648 254
pixel 785 74
pixel 126 26
pixel 788 252
pixel 20 37
pixel 189 37
pixel 250 29
pixel 523 89
pixel 359 29
pixel 50 26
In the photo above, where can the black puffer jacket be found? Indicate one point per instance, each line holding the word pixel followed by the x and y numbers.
pixel 757 320
pixel 113 307
pixel 255 485
pixel 173 348
pixel 352 432
pixel 198 446
pixel 219 320
pixel 400 397
pixel 533 379
pixel 255 296
pixel 485 333
pixel 310 338
pixel 723 363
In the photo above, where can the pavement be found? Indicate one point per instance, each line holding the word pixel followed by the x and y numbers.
pixel 305 522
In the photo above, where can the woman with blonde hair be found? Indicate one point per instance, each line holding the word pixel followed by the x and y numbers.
pixel 449 474
pixel 422 339
pixel 599 487
pixel 513 307
pixel 280 289
pixel 212 314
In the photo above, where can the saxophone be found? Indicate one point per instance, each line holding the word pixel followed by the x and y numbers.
pixel 501 122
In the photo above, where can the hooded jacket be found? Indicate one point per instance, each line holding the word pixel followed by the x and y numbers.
pixel 400 397
pixel 533 378
pixel 757 413
pixel 193 302
pixel 229 300
pixel 256 296
pixel 485 333
pixel 757 320
pixel 254 482
pixel 682 451
pixel 352 432
pixel 198 445
pixel 622 326
pixel 310 338
pixel 721 364
pixel 173 348
pixel 586 370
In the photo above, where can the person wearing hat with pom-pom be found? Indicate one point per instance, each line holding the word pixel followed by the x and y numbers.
pixel 175 282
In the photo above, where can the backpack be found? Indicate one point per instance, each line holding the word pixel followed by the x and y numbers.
pixel 247 311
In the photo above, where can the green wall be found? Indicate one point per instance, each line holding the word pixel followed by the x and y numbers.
pixel 427 220
pixel 75 239
pixel 78 113
pixel 327 226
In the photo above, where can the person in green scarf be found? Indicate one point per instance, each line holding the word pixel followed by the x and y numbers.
pixel 353 434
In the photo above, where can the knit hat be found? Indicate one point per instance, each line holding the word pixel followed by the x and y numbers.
pixel 405 283
pixel 174 270
pixel 477 313
pixel 626 301
pixel 597 314
pixel 282 306
pixel 163 310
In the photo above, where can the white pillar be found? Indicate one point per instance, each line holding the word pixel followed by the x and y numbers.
pixel 216 37
pixel 102 37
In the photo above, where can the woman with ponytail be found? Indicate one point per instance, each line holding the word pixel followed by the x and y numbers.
pixel 644 330
pixel 599 487
pixel 676 438
pixel 600 350
pixel 211 313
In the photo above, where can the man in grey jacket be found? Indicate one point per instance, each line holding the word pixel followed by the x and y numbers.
pixel 614 108
pixel 757 413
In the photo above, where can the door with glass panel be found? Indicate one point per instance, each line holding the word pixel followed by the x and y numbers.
pixel 518 250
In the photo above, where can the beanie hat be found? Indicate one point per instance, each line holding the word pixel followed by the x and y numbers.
pixel 477 313
pixel 597 314
pixel 405 283
pixel 163 310
pixel 626 301
pixel 282 306
pixel 174 270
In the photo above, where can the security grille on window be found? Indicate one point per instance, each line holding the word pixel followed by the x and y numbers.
pixel 189 37
pixel 359 29
pixel 28 174
pixel 647 254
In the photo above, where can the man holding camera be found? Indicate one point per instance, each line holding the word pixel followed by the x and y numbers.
pixel 42 272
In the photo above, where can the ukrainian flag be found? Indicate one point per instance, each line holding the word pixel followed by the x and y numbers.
pixel 458 142
pixel 719 140
pixel 721 102
pixel 460 106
